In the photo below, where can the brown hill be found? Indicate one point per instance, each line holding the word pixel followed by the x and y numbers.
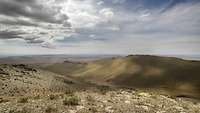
pixel 181 77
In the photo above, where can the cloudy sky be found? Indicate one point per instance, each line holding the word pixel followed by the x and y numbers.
pixel 99 27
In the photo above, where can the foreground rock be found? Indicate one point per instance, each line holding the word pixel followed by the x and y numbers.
pixel 116 101
pixel 20 80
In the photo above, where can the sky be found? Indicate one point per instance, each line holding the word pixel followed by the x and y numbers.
pixel 99 27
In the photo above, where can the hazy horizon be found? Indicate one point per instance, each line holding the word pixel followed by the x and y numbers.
pixel 182 56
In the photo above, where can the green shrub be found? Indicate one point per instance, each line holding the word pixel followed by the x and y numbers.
pixel 71 100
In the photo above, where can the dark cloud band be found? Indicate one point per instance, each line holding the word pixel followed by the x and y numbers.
pixel 10 34
pixel 34 14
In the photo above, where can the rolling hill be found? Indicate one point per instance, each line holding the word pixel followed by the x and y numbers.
pixel 180 77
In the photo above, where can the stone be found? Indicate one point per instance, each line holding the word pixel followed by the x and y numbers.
pixel 127 102
pixel 109 109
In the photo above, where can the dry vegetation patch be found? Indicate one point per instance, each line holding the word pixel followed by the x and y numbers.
pixel 71 100
pixel 23 100
pixel 51 109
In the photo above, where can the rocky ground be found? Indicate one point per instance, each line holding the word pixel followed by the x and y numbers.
pixel 113 101
pixel 19 80
pixel 24 89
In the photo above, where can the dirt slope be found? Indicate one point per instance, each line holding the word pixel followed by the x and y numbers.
pixel 16 80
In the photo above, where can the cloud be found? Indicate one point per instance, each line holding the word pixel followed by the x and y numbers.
pixel 30 9
pixel 100 2
pixel 171 22
pixel 48 45
pixel 10 34
pixel 45 20
pixel 18 22
pixel 118 1
pixel 31 17
pixel 85 13
pixel 107 13
pixel 134 26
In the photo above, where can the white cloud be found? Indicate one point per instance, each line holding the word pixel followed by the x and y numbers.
pixel 85 13
pixel 107 13
pixel 100 2
pixel 139 30
pixel 72 15
pixel 92 36
pixel 113 28
pixel 118 1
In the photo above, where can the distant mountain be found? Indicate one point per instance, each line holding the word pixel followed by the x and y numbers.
pixel 49 59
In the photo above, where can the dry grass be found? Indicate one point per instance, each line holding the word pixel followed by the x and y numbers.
pixel 23 110
pixel 69 91
pixel 53 97
pixel 2 100
pixel 90 98
pixel 50 109
pixel 71 100
pixel 23 100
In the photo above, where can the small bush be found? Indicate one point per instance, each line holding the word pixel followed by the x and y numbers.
pixel 93 109
pixel 52 97
pixel 36 97
pixel 68 82
pixel 50 109
pixel 69 91
pixel 90 98
pixel 23 100
pixel 71 100
pixel 3 100
pixel 104 89
pixel 23 110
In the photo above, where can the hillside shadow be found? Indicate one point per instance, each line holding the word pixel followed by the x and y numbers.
pixel 178 76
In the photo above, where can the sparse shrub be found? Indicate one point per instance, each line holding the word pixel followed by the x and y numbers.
pixel 71 100
pixel 104 89
pixel 36 97
pixel 23 100
pixel 50 109
pixel 69 91
pixel 93 109
pixel 3 100
pixel 68 82
pixel 53 97
pixel 3 72
pixel 90 99
pixel 23 110
pixel 2 78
